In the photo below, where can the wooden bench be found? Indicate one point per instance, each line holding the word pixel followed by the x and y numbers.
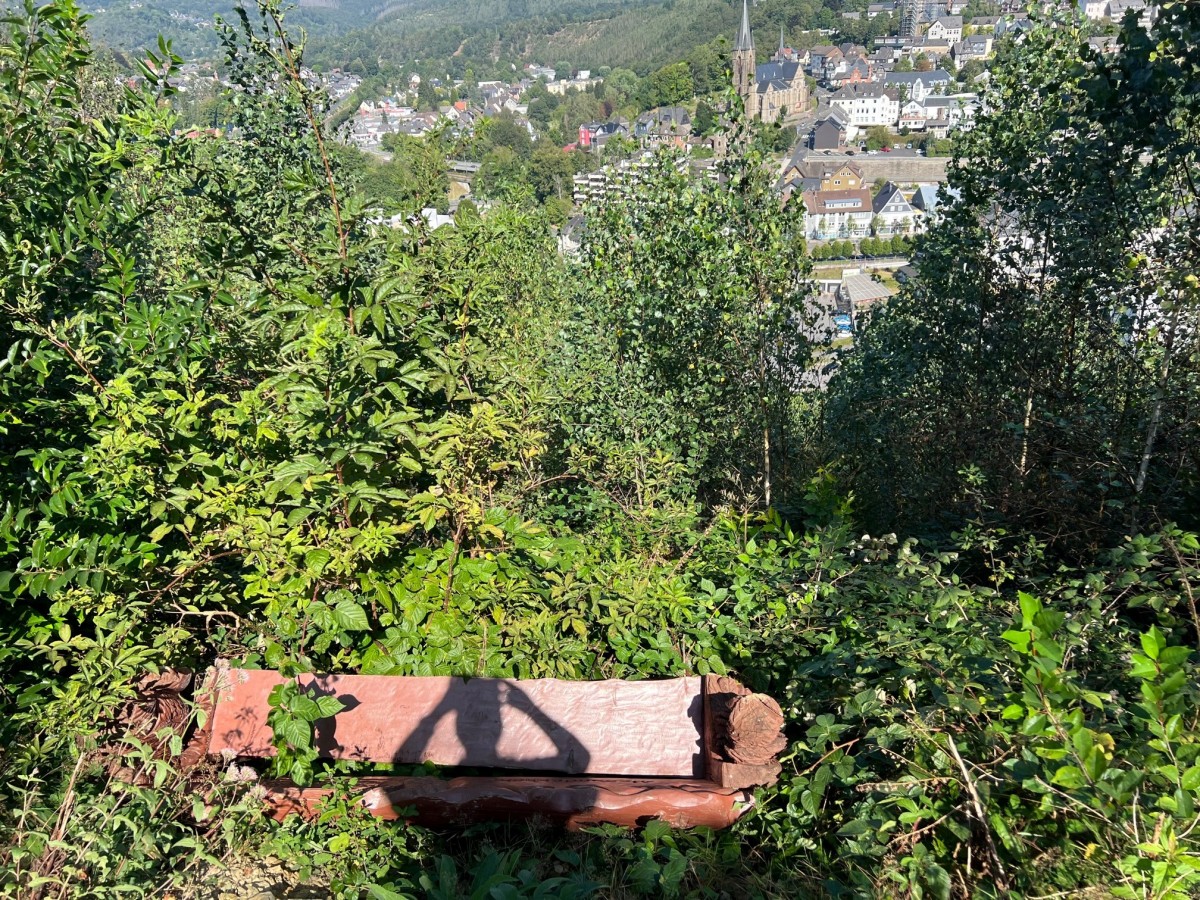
pixel 683 750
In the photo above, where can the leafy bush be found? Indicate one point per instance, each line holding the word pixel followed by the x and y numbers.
pixel 240 419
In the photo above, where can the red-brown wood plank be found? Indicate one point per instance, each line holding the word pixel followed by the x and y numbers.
pixel 630 728
pixel 574 802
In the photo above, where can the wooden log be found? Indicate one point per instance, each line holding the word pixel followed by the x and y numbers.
pixel 743 734
pixel 573 802
pixel 156 711
pixel 734 775
pixel 755 736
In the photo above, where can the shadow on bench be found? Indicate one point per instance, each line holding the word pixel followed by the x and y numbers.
pixel 683 750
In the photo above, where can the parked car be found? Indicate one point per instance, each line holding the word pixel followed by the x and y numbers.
pixel 887 149
pixel 908 146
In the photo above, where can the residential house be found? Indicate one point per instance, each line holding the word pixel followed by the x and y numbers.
pixel 857 71
pixel 985 23
pixel 883 60
pixel 797 185
pixel 1014 25
pixel 938 128
pixel 1094 9
pixel 823 61
pixel 977 46
pixel 957 109
pixel 866 105
pixel 833 215
pixel 665 125
pixel 947 29
pixel 594 135
pixel 830 133
pixel 919 85
pixel 929 197
pixel 935 49
pixel 912 116
pixel 844 176
pixel 825 175
pixel 1146 12
pixel 893 213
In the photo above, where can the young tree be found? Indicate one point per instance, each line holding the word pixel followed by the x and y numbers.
pixel 697 292
pixel 705 120
pixel 1050 342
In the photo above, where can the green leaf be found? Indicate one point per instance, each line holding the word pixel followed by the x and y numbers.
pixel 316 560
pixel 1153 642
pixel 1068 777
pixel 292 731
pixel 339 842
pixel 350 616
pixel 328 706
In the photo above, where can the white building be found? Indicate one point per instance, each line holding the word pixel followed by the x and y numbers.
pixel 893 213
pixel 919 85
pixel 833 215
pixel 866 105
pixel 945 28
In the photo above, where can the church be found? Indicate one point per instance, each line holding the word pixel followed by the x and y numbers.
pixel 773 91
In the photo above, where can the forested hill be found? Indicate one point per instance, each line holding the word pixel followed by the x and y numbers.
pixel 489 37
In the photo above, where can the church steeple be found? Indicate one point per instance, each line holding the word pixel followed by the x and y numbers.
pixel 743 55
pixel 782 45
pixel 744 39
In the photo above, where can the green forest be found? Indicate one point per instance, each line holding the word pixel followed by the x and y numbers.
pixel 239 420
pixel 482 39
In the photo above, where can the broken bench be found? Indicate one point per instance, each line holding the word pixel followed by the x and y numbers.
pixel 686 750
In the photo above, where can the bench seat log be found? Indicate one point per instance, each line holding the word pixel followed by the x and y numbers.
pixel 571 802
pixel 636 728
pixel 683 750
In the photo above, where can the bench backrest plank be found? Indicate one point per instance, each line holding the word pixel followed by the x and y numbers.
pixel 628 728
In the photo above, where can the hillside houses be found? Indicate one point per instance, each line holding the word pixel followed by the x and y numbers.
pixel 838 204
pixel 667 125
pixel 976 46
pixel 854 108
pixel 1115 10
pixel 832 131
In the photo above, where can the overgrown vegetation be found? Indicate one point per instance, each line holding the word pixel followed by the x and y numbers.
pixel 238 419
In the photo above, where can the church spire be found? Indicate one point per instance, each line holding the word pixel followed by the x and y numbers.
pixel 782 45
pixel 744 39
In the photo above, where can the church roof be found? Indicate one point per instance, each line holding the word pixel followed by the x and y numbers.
pixel 744 40
pixel 785 72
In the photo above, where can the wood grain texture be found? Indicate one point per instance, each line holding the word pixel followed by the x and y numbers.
pixel 743 733
pixel 755 735
pixel 630 728
pixel 573 802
